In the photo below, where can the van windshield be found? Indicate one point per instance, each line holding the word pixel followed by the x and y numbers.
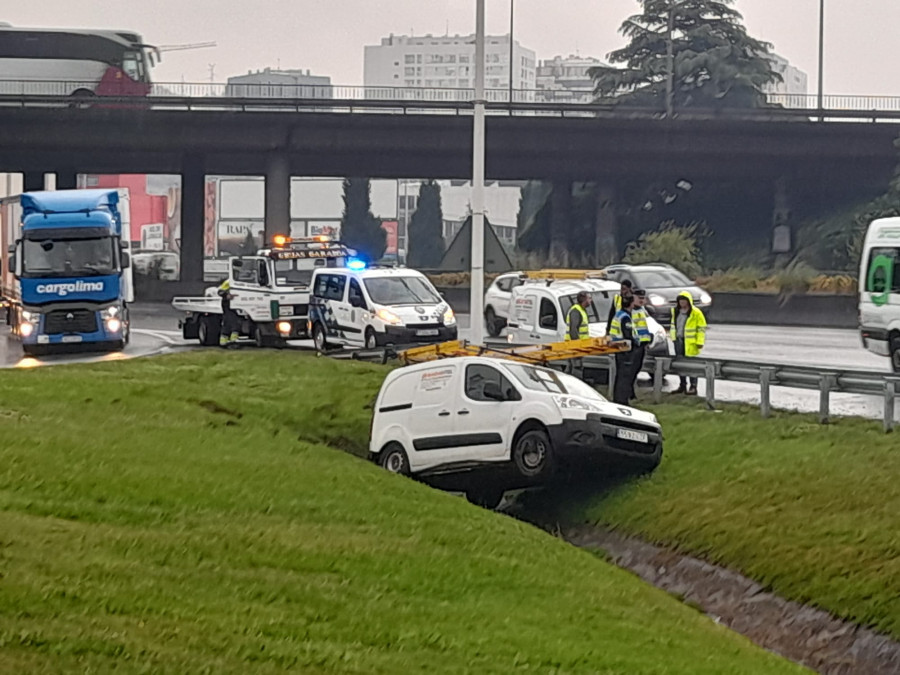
pixel 547 380
pixel 401 291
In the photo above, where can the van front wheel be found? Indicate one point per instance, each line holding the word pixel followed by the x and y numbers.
pixel 532 453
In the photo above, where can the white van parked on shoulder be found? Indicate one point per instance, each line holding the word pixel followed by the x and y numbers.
pixel 879 290
pixel 517 422
pixel 373 307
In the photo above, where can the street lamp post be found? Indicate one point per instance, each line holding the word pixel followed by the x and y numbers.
pixel 476 274
pixel 670 64
pixel 820 95
pixel 512 10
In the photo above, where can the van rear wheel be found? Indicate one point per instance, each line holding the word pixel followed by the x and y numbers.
pixel 393 458
pixel 491 322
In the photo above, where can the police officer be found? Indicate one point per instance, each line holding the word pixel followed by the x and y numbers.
pixel 644 337
pixel 624 289
pixel 577 320
pixel 228 335
pixel 622 328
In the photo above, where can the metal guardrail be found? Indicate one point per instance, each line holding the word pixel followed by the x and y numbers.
pixel 335 98
pixel 826 381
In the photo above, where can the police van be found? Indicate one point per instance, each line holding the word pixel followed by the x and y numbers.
pixel 879 290
pixel 371 307
pixel 501 425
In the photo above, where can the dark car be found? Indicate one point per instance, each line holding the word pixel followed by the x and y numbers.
pixel 663 283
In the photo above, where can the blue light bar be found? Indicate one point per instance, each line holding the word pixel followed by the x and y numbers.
pixel 356 265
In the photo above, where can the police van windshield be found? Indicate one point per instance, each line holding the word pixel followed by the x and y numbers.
pixel 544 379
pixel 54 258
pixel 401 291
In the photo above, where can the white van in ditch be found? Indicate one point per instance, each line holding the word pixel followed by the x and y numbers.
pixel 879 290
pixel 371 308
pixel 506 425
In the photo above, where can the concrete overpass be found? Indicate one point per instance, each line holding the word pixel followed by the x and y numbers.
pixel 784 148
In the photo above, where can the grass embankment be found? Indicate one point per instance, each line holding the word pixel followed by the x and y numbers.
pixel 175 515
pixel 811 511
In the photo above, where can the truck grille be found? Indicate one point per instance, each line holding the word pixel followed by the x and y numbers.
pixel 70 321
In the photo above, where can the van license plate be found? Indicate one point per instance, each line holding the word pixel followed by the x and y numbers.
pixel 629 435
pixel 427 332
pixel 71 338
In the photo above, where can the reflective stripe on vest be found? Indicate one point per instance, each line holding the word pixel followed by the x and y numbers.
pixel 615 327
pixel 583 332
pixel 639 317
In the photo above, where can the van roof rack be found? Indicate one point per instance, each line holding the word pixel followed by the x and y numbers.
pixel 539 354
pixel 551 275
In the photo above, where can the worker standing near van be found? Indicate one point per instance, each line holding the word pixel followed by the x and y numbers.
pixel 625 289
pixel 688 332
pixel 577 321
pixel 622 328
pixel 228 336
pixel 643 334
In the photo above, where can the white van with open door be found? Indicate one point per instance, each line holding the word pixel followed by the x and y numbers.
pixel 879 290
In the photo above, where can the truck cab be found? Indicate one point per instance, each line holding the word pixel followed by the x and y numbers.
pixel 72 272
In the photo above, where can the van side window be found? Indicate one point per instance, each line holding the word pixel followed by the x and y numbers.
pixel 335 290
pixel 478 375
pixel 244 271
pixel 883 272
pixel 321 288
pixel 549 315
pixel 505 285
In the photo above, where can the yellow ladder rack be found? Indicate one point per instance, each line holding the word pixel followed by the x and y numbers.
pixel 540 353
pixel 559 274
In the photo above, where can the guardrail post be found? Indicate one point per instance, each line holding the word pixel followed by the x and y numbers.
pixel 611 385
pixel 825 382
pixel 660 366
pixel 890 394
pixel 710 368
pixel 765 380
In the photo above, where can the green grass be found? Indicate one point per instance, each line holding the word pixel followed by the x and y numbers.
pixel 181 515
pixel 811 511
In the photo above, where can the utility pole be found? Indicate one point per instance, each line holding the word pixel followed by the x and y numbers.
pixel 512 11
pixel 820 96
pixel 670 63
pixel 476 274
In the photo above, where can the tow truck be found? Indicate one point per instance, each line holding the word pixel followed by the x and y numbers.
pixel 270 292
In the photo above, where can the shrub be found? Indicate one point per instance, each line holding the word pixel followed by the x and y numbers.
pixel 677 246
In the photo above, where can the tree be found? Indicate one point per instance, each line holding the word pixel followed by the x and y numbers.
pixel 716 63
pixel 426 228
pixel 359 228
pixel 676 246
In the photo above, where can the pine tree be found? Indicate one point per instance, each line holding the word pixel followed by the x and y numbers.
pixel 426 228
pixel 716 63
pixel 359 228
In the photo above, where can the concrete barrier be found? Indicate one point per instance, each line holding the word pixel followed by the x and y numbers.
pixel 813 310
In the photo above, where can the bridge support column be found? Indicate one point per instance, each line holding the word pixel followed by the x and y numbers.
pixel 782 231
pixel 193 201
pixel 33 181
pixel 606 243
pixel 560 223
pixel 278 196
pixel 66 179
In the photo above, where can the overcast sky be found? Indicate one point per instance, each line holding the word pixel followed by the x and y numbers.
pixel 327 36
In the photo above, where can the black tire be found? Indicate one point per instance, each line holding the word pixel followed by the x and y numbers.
pixel 208 331
pixel 320 339
pixel 81 93
pixel 895 353
pixel 486 497
pixel 532 453
pixel 393 459
pixel 491 323
pixel 259 338
pixel 371 339
pixel 126 326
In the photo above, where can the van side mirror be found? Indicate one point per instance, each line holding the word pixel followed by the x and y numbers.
pixel 126 260
pixel 357 302
pixel 492 391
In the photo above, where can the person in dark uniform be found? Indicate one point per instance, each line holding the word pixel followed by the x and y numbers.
pixel 622 328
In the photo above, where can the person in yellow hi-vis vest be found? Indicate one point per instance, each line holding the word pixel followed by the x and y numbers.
pixel 228 334
pixel 688 332
pixel 625 289
pixel 577 319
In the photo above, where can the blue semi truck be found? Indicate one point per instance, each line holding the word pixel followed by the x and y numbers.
pixel 68 281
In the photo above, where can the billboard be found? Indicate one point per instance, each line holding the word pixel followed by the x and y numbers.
pixel 240 237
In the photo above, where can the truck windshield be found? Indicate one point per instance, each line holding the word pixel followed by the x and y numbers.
pixel 68 257
pixel 401 291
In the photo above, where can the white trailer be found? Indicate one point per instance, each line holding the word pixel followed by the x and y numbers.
pixel 270 293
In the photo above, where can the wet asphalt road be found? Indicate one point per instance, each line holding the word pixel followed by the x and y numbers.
pixel 155 330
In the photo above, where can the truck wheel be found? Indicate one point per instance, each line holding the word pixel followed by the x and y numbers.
pixel 491 323
pixel 532 453
pixel 486 497
pixel 393 458
pixel 319 339
pixel 208 331
pixel 895 353
pixel 259 339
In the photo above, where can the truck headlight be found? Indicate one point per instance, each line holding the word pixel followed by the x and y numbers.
pixel 26 329
pixel 31 317
pixel 449 317
pixel 113 325
pixel 283 327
